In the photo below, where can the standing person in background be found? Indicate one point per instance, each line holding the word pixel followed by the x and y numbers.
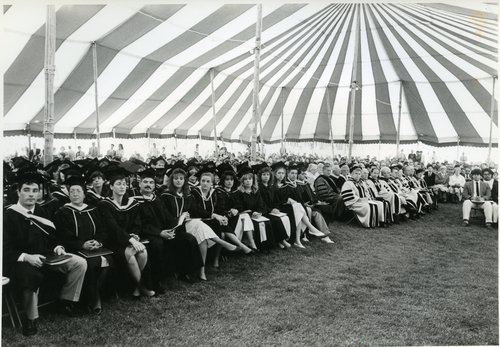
pixel 401 155
pixel 119 152
pixel 412 156
pixel 62 153
pixel 93 153
pixel 111 152
pixel 463 157
pixel 80 154
pixel 154 152
pixel 70 153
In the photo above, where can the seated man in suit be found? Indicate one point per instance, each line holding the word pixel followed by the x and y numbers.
pixel 493 183
pixel 28 237
pixel 477 193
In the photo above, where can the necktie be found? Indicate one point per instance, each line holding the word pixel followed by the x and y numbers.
pixel 477 189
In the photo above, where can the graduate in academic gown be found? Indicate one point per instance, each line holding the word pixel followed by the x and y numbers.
pixel 239 223
pixel 123 223
pixel 178 200
pixel 284 193
pixel 355 199
pixel 247 198
pixel 28 237
pixel 171 249
pixel 79 228
pixel 281 224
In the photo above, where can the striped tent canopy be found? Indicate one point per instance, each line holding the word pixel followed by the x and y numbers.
pixel 155 65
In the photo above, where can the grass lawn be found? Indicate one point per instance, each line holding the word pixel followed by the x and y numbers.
pixel 425 282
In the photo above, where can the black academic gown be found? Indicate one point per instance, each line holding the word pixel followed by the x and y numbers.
pixel 268 195
pixel 204 207
pixel 253 202
pixel 76 226
pixel 30 235
pixel 180 255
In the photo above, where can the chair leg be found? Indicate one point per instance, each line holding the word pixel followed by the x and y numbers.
pixel 15 319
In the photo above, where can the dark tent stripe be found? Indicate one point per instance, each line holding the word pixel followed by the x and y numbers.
pixel 467 25
pixel 454 50
pixel 140 25
pixel 29 63
pixel 476 89
pixel 300 113
pixel 422 122
pixel 357 131
pixel 6 8
pixel 324 125
pixel 247 103
pixel 417 13
pixel 326 21
pixel 235 121
pixel 461 10
pixel 457 116
pixel 386 125
pixel 154 60
pixel 182 74
pixel 171 114
pixel 81 78
pixel 471 41
pixel 208 25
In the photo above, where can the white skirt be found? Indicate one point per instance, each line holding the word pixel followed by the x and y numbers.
pixel 200 231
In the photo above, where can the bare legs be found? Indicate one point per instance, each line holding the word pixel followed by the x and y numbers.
pixel 136 261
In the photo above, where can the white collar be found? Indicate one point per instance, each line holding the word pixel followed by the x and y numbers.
pixel 32 210
pixel 81 208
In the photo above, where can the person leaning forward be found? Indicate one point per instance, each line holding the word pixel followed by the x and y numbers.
pixel 477 194
pixel 29 237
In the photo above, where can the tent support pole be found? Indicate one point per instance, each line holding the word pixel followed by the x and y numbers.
pixel 282 123
pixel 491 118
pixel 354 85
pixel 28 131
pixel 458 148
pixel 260 126
pixel 97 131
pixel 256 66
pixel 50 50
pixel 329 113
pixel 214 111
pixel 399 117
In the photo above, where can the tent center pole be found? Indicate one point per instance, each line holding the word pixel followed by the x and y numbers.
pixel 491 118
pixel 399 117
pixel 96 99
pixel 214 113
pixel 50 50
pixel 256 66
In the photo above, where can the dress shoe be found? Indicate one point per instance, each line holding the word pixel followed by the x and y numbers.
pixel 298 245
pixel 30 327
pixel 185 278
pixel 327 240
pixel 489 226
pixel 147 292
pixel 465 223
pixel 69 308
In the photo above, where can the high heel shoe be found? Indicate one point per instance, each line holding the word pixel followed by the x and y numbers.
pixel 286 244
pixel 298 245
